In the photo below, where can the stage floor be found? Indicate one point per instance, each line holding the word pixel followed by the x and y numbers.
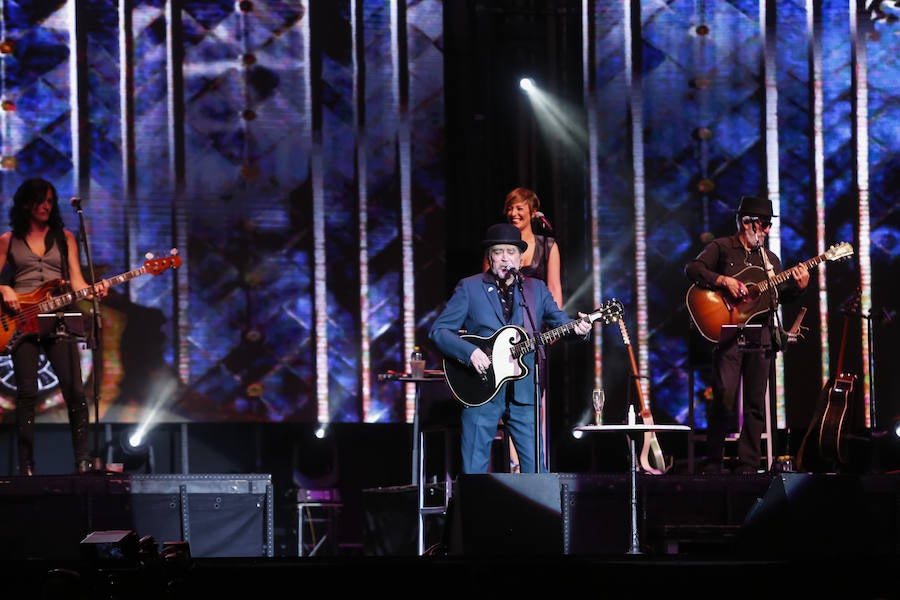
pixel 710 536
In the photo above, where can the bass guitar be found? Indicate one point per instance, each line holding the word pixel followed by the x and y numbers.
pixel 15 325
pixel 825 442
pixel 507 348
pixel 652 459
pixel 710 309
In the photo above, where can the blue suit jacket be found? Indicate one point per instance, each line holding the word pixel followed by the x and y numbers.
pixel 475 307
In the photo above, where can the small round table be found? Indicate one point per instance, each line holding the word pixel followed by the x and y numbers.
pixel 630 430
pixel 418 458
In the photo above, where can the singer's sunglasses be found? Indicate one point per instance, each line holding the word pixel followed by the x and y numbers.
pixel 764 223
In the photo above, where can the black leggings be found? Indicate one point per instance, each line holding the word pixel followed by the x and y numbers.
pixel 65 359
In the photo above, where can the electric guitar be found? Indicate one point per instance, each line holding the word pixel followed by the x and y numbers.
pixel 710 309
pixel 654 464
pixel 15 325
pixel 507 348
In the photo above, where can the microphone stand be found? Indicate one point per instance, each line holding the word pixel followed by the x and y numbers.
pixel 776 342
pixel 538 361
pixel 94 339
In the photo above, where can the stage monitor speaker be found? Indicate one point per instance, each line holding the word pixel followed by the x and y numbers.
pixel 506 514
pixel 595 513
pixel 803 514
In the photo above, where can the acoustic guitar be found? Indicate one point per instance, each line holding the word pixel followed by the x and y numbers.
pixel 710 309
pixel 825 444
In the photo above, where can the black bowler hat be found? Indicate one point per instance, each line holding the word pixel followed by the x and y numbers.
pixel 757 207
pixel 503 233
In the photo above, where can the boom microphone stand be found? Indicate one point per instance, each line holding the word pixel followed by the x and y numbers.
pixel 94 340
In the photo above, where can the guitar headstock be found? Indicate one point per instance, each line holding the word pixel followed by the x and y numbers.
pixel 839 251
pixel 155 266
pixel 610 311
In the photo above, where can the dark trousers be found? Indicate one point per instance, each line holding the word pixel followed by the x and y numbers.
pixel 65 359
pixel 733 365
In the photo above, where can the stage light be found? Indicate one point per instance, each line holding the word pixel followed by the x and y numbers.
pixel 527 84
pixel 895 429
pixel 136 451
pixel 314 461
pixel 134 441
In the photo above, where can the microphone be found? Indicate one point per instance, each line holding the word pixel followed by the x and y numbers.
pixel 513 272
pixel 76 203
pixel 544 222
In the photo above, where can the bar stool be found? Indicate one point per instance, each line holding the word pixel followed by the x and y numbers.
pixel 426 508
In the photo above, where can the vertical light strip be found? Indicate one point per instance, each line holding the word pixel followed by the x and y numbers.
pixel 636 100
pixel 400 109
pixel 126 132
pixel 175 127
pixel 814 37
pixel 773 189
pixel 320 283
pixel 862 175
pixel 73 97
pixel 359 134
pixel 587 47
pixel 5 121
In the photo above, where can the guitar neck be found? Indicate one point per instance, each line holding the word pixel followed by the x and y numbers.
pixel 785 275
pixel 529 344
pixel 639 390
pixel 54 303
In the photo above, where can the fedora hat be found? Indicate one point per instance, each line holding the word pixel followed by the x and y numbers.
pixel 757 207
pixel 503 233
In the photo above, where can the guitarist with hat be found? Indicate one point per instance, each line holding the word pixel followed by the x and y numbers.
pixel 732 267
pixel 490 368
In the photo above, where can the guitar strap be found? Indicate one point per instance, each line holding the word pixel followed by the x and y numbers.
pixel 60 238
